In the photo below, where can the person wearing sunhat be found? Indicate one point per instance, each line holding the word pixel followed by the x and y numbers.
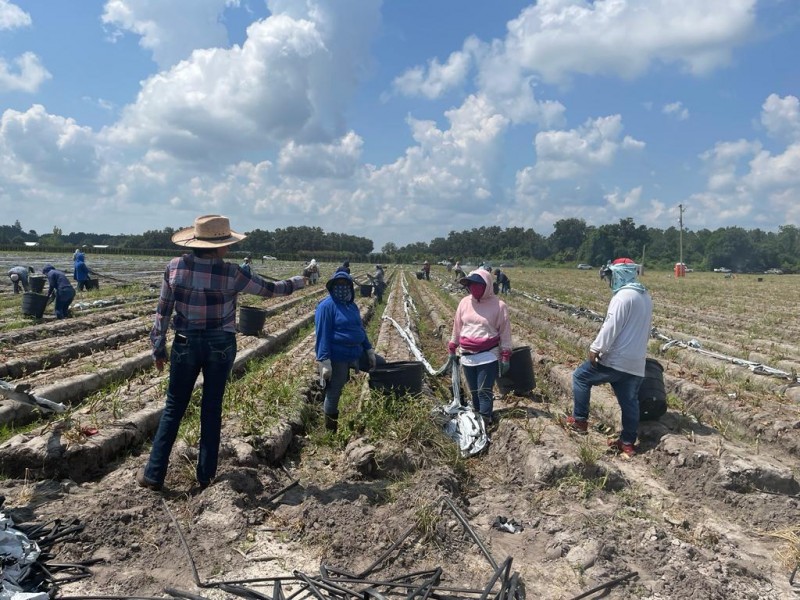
pixel 482 335
pixel 617 355
pixel 202 289
pixel 426 270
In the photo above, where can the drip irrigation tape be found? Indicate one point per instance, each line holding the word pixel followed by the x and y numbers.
pixel 243 592
pixel 195 574
pixel 282 491
pixel 427 587
pixel 391 549
pixel 110 598
pixel 606 585
pixel 176 593
pixel 470 531
pixel 109 277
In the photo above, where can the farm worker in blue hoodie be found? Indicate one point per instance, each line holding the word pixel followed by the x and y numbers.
pixel 342 342
pixel 82 271
pixel 59 288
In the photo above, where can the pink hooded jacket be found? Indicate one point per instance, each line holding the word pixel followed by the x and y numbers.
pixel 481 325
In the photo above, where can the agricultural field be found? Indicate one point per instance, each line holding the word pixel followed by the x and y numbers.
pixel 708 508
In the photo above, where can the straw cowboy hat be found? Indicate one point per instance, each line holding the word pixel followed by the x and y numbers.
pixel 209 231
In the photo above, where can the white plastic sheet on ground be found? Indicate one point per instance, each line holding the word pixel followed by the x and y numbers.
pixel 467 430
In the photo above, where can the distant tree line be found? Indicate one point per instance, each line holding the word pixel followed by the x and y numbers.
pixel 291 243
pixel 572 241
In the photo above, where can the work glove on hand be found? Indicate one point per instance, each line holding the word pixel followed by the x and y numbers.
pixel 451 348
pixel 325 369
pixel 373 359
pixel 505 362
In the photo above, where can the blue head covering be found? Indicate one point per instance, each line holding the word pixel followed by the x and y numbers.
pixel 623 275
pixel 47 269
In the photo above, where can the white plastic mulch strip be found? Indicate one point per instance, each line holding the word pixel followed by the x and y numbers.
pixel 755 367
pixel 694 345
pixel 406 333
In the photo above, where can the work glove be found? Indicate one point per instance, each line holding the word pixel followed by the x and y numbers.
pixel 325 369
pixel 373 359
pixel 451 348
pixel 505 362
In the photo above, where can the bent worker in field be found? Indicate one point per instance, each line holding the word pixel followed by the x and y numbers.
pixel 617 355
pixel 202 289
pixel 19 277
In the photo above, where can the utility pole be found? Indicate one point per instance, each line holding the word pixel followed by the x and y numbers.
pixel 680 237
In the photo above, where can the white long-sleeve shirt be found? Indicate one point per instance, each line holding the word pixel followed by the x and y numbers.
pixel 622 340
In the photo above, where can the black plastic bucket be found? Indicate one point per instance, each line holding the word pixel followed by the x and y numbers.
pixel 520 378
pixel 420 274
pixel 33 304
pixel 92 284
pixel 251 320
pixel 37 283
pixel 652 393
pixel 399 378
pixel 366 290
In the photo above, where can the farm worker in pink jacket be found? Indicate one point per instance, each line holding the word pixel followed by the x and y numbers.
pixel 482 330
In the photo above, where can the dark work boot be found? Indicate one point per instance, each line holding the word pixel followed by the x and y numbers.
pixel 332 422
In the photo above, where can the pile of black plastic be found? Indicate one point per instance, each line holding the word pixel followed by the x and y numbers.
pixel 27 555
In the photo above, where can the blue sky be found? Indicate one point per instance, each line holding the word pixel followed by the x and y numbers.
pixel 398 121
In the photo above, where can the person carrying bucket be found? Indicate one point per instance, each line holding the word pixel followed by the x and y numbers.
pixel 82 273
pixel 60 290
pixel 617 355
pixel 202 290
pixel 342 343
pixel 19 277
pixel 482 332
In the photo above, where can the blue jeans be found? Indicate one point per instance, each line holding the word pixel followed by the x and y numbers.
pixel 626 389
pixel 481 380
pixel 213 353
pixel 339 377
pixel 64 297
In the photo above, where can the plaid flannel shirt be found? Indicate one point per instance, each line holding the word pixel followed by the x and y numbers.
pixel 203 293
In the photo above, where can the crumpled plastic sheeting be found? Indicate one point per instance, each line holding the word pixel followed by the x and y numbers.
pixel 508 525
pixel 17 553
pixel 467 429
